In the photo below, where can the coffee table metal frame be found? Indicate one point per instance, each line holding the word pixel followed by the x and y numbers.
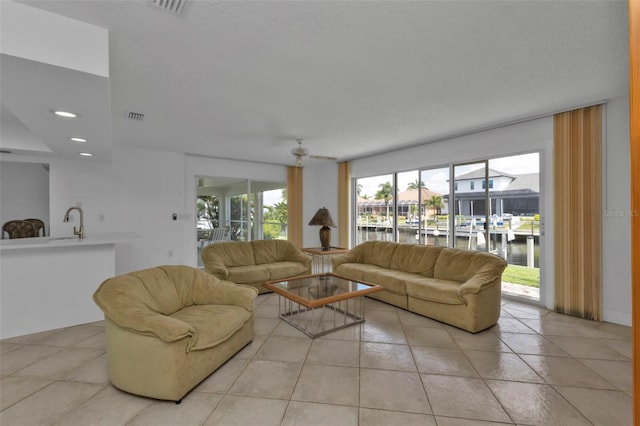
pixel 320 304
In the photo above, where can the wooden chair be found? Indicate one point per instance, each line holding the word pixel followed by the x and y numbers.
pixel 37 225
pixel 18 229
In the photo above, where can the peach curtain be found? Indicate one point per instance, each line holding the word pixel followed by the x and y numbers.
pixel 344 203
pixel 578 212
pixel 634 120
pixel 294 205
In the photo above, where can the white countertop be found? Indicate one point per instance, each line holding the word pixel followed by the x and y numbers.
pixel 68 241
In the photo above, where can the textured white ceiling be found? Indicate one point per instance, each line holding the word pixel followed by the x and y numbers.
pixel 243 79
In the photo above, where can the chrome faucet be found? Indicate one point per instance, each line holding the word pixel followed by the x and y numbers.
pixel 79 232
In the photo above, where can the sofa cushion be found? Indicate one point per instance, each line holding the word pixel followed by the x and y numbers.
pixel 356 271
pixel 461 265
pixel 270 251
pixel 435 290
pixel 233 253
pixel 377 253
pixel 415 258
pixel 249 274
pixel 279 270
pixel 393 281
pixel 213 324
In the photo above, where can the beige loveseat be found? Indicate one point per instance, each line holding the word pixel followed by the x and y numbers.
pixel 253 263
pixel 458 287
pixel 168 328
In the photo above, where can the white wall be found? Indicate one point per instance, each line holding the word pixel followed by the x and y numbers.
pixel 320 189
pixel 24 192
pixel 616 235
pixel 137 192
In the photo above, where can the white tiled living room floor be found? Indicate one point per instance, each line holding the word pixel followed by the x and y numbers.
pixel 535 367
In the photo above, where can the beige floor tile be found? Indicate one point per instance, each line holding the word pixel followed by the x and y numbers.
pixel 376 305
pixel 511 325
pixel 522 311
pixel 24 357
pixel 194 409
pixel 334 352
pixel 386 356
pixel 502 366
pixel 531 344
pixel 392 390
pixel 70 335
pixel 565 371
pixel 618 373
pixel 271 379
pixel 312 414
pixel 485 341
pixel 244 411
pixel 328 384
pixel 265 310
pixel 622 331
pixel 383 333
pixel 224 377
pixel 443 361
pixel 456 421
pixel 584 347
pixel 350 333
pixel 97 341
pixel 109 407
pixel 623 347
pixel 47 405
pixel 92 372
pixel 8 347
pixel 565 327
pixel 13 389
pixel 536 404
pixel 371 417
pixel 280 348
pixel 601 407
pixel 60 364
pixel 429 336
pixel 409 319
pixel 29 339
pixel 252 348
pixel 464 397
pixel 265 326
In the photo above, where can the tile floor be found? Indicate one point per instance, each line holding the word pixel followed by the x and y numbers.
pixel 535 367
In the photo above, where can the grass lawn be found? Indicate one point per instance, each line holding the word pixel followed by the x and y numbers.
pixel 522 275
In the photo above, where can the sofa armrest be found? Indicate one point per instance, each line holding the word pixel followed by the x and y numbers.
pixel 486 278
pixel 229 293
pixel 349 257
pixel 214 265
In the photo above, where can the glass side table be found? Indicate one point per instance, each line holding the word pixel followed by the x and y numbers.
pixel 322 258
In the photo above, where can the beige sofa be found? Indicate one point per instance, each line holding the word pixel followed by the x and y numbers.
pixel 253 263
pixel 458 287
pixel 168 328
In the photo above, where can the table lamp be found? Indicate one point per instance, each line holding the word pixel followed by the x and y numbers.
pixel 323 218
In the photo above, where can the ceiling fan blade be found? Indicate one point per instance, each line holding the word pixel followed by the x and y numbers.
pixel 323 157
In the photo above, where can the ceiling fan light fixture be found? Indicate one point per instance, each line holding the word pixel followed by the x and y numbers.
pixel 299 162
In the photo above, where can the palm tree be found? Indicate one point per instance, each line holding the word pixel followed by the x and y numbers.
pixel 435 203
pixel 417 184
pixel 385 193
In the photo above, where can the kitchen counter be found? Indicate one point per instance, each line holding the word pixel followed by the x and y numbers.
pixel 48 283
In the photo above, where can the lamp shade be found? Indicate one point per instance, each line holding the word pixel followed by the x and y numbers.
pixel 322 218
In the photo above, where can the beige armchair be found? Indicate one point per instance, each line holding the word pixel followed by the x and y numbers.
pixel 169 327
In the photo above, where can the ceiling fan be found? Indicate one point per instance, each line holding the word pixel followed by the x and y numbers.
pixel 300 152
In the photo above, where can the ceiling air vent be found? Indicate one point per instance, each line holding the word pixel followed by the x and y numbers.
pixel 171 6
pixel 136 116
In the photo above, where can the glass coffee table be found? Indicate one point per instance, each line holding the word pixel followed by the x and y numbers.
pixel 322 303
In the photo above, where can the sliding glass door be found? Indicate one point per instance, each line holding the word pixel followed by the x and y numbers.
pixel 471 207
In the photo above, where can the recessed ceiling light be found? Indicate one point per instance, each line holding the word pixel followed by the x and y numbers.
pixel 86 154
pixel 65 114
pixel 81 140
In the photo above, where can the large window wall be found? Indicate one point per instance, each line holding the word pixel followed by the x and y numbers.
pixel 239 210
pixel 489 205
